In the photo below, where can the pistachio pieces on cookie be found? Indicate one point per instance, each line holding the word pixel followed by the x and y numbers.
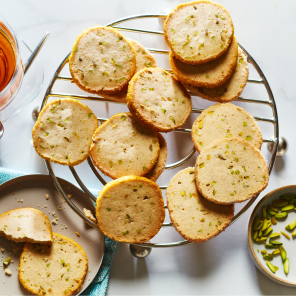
pixel 63 131
pixel 231 89
pixel 230 171
pixel 130 209
pixel 193 216
pixel 102 60
pixel 225 121
pixel 211 74
pixel 26 225
pixel 122 146
pixel 158 100
pixel 57 269
pixel 143 59
pixel 198 32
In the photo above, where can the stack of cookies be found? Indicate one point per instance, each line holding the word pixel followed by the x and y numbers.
pixel 50 264
pixel 128 147
pixel 204 52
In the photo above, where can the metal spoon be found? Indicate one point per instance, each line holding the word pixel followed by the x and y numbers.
pixel 35 53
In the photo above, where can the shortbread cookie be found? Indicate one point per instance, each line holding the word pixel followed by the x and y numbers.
pixel 143 59
pixel 194 217
pixel 158 100
pixel 225 121
pixel 212 74
pixel 63 131
pixel 26 225
pixel 198 32
pixel 130 209
pixel 230 170
pixel 121 146
pixel 102 60
pixel 160 164
pixel 230 90
pixel 58 269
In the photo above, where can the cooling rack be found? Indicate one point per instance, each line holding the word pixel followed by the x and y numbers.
pixel 144 249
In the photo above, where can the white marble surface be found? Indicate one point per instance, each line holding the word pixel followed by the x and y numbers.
pixel 223 265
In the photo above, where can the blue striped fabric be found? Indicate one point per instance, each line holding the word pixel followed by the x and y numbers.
pixel 100 282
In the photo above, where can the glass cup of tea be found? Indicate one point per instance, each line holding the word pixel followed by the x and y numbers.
pixel 11 66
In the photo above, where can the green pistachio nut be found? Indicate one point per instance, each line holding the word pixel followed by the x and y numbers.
pixel 291 226
pixel 287 196
pixel 283 253
pixel 275 234
pixel 256 222
pixel 286 265
pixel 288 207
pixel 281 215
pixel 275 242
pixel 271 266
pixel 280 203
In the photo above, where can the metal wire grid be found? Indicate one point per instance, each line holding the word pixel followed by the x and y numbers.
pixel 57 76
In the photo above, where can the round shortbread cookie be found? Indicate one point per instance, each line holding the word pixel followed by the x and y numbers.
pixel 121 146
pixel 158 100
pixel 225 121
pixel 143 59
pixel 162 157
pixel 198 32
pixel 57 269
pixel 194 217
pixel 212 74
pixel 130 209
pixel 230 90
pixel 230 170
pixel 102 60
pixel 63 131
pixel 26 225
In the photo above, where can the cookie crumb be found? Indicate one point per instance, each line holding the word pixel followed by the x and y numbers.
pixel 77 233
pixel 46 196
pixel 8 271
pixel 55 222
pixel 89 215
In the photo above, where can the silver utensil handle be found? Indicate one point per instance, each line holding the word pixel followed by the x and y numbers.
pixel 35 53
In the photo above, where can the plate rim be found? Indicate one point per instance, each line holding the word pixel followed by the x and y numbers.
pixel 263 268
pixel 27 177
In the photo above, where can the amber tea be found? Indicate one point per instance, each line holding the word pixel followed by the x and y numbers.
pixel 7 59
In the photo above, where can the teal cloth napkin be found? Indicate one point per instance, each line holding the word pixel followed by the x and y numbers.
pixel 100 283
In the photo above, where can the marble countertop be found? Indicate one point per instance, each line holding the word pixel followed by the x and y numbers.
pixel 222 265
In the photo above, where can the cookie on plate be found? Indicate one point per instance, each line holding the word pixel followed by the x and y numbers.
pixel 143 59
pixel 225 121
pixel 231 89
pixel 210 75
pixel 230 171
pixel 198 32
pixel 57 269
pixel 63 131
pixel 158 100
pixel 102 60
pixel 194 217
pixel 26 225
pixel 160 164
pixel 130 209
pixel 121 146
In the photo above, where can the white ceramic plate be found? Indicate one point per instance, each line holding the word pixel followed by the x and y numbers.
pixel 32 189
pixel 289 245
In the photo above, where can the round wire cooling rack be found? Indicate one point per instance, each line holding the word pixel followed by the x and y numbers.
pixel 143 249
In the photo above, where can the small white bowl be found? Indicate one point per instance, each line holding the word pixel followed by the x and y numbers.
pixel 289 245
